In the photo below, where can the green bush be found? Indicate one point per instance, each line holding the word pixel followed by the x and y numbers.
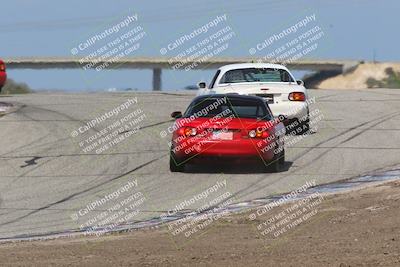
pixel 392 81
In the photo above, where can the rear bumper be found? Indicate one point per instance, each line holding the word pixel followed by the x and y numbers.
pixel 228 149
pixel 290 109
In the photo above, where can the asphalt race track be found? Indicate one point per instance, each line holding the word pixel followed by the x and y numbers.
pixel 46 177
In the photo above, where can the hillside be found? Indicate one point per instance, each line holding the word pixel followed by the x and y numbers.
pixel 366 75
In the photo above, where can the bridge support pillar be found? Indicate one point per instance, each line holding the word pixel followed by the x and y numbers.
pixel 156 79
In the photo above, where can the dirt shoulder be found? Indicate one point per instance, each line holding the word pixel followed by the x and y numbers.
pixel 360 228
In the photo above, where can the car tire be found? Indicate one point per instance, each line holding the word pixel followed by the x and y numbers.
pixel 277 164
pixel 305 126
pixel 175 165
pixel 282 158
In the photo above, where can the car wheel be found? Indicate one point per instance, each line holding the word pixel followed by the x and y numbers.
pixel 305 126
pixel 175 165
pixel 282 158
pixel 277 164
pixel 302 126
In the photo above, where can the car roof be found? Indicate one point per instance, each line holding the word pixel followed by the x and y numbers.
pixel 251 65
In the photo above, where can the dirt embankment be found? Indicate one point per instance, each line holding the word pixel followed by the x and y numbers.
pixel 360 228
pixel 367 75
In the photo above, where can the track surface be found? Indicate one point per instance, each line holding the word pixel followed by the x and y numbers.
pixel 46 177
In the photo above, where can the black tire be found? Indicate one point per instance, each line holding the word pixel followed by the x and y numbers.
pixel 175 165
pixel 305 126
pixel 294 127
pixel 282 158
pixel 302 126
pixel 277 164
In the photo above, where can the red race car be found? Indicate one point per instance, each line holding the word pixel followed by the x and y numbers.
pixel 3 74
pixel 224 127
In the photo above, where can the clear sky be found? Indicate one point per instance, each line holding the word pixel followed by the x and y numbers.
pixel 353 29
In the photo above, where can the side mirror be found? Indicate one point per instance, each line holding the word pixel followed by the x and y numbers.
pixel 202 85
pixel 300 82
pixel 176 114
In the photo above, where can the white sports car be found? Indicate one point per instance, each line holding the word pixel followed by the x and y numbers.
pixel 284 95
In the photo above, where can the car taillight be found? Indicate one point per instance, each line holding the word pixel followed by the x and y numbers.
pixel 258 133
pixel 2 67
pixel 297 96
pixel 187 131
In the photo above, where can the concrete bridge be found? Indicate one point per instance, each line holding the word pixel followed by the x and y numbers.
pixel 157 64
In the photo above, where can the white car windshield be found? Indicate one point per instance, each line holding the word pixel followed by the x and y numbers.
pixel 256 75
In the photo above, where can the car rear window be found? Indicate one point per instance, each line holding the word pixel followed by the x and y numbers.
pixel 238 108
pixel 256 75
